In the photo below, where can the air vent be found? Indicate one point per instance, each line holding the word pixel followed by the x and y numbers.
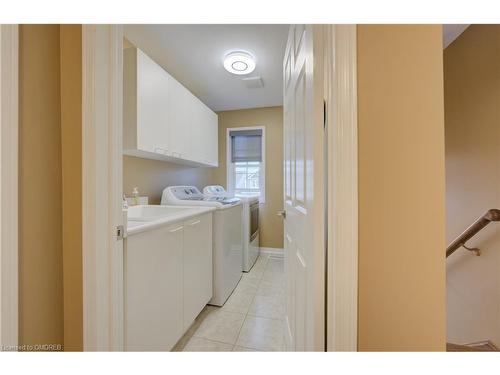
pixel 253 82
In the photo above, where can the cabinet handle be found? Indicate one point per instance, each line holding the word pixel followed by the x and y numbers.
pixel 159 150
pixel 176 229
pixel 194 223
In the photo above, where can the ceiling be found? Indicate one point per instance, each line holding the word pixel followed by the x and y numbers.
pixel 193 54
pixel 452 32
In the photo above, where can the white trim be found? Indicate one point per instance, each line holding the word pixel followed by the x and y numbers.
pixel 274 251
pixel 230 165
pixel 341 99
pixel 9 128
pixel 102 187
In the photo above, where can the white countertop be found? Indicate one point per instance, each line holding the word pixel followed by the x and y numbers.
pixel 146 217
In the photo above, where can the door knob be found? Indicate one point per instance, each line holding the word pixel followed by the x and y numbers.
pixel 282 213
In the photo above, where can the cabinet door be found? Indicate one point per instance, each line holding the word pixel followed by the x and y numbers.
pixel 197 266
pixel 197 131
pixel 153 289
pixel 179 115
pixel 206 135
pixel 152 105
pixel 213 134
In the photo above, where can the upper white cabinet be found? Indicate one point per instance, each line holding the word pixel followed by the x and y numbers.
pixel 162 119
pixel 204 124
pixel 152 109
pixel 210 129
pixel 179 101
pixel 213 151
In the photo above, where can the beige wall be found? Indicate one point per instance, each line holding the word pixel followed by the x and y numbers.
pixel 50 180
pixel 40 177
pixel 71 134
pixel 271 228
pixel 401 188
pixel 472 112
pixel 152 176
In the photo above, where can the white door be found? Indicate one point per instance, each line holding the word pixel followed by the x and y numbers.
pixel 302 304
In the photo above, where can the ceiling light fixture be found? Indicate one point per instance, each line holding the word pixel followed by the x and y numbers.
pixel 239 63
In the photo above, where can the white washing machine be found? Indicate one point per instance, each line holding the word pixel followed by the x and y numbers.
pixel 227 237
pixel 250 224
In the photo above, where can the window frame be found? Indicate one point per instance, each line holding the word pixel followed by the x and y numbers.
pixel 230 166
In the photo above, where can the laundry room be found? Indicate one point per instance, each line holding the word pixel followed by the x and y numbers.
pixel 247 181
pixel 239 187
pixel 203 184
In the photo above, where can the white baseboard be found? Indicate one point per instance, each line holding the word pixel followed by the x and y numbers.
pixel 274 251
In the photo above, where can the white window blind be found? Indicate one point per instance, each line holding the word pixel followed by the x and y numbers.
pixel 246 145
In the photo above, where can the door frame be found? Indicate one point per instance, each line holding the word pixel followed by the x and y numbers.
pixel 9 160
pixel 342 196
pixel 103 324
pixel 102 55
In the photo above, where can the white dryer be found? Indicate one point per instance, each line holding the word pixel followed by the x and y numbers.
pixel 227 236
pixel 250 224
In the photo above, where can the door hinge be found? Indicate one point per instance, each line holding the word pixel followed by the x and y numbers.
pixel 119 232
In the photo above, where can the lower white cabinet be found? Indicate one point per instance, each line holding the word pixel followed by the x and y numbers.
pixel 197 266
pixel 153 292
pixel 168 281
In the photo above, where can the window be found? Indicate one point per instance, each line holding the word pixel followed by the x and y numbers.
pixel 245 161
pixel 247 176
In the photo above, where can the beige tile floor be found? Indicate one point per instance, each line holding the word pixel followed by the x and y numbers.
pixel 250 320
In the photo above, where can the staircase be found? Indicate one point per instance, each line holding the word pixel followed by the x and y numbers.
pixel 490 216
pixel 483 346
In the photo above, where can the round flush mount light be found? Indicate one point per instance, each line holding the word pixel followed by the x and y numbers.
pixel 239 63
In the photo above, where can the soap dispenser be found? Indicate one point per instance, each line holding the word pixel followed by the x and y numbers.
pixel 135 195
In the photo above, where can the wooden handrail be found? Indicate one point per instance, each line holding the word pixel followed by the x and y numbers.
pixel 480 223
